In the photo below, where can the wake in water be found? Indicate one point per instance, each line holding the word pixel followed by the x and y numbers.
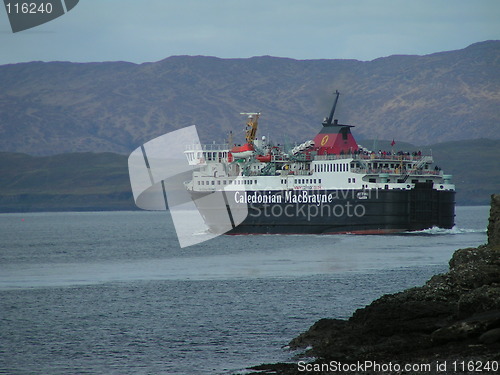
pixel 441 231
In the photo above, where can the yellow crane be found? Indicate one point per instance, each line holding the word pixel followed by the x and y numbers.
pixel 252 125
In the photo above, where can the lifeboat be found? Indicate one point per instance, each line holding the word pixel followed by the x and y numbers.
pixel 264 158
pixel 242 152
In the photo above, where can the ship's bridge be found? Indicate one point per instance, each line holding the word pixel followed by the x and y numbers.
pixel 197 154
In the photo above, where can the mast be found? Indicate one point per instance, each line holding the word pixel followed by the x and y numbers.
pixel 328 121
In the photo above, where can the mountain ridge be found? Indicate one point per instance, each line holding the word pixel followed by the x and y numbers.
pixel 55 107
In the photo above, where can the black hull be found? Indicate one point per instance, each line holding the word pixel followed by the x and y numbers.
pixel 351 211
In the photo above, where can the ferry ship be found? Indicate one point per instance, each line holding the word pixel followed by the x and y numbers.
pixel 329 184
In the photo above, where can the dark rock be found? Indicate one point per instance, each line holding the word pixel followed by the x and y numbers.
pixel 494 223
pixel 404 316
pixel 273 369
pixel 491 336
pixel 473 326
pixel 484 298
pixel 456 331
pixel 319 333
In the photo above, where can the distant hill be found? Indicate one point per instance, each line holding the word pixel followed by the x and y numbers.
pixel 475 166
pixel 50 108
pixel 64 182
pixel 100 181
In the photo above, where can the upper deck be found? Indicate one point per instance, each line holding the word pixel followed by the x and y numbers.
pixel 366 163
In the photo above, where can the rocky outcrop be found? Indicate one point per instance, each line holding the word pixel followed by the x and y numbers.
pixel 455 315
pixel 494 222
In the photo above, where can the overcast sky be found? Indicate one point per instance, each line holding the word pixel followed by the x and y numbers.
pixel 151 30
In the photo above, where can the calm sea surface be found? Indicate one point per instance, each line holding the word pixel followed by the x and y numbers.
pixel 112 293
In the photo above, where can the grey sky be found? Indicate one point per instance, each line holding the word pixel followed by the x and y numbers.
pixel 140 31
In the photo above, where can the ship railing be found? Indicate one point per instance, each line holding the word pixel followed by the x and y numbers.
pixel 395 157
pixel 375 157
pixel 333 157
pixel 302 157
pixel 397 171
pixel 281 172
pixel 284 158
pixel 207 147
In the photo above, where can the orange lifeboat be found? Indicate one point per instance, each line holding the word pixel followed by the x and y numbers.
pixel 244 151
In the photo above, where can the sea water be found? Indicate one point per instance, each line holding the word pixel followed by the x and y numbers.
pixel 113 293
